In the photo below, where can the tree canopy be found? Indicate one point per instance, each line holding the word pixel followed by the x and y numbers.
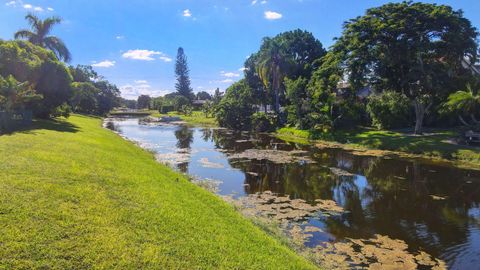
pixel 413 48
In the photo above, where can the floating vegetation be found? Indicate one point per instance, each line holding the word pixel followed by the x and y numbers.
pixel 340 172
pixel 208 164
pixel 378 252
pixel 276 156
pixel 282 208
pixel 172 159
pixel 208 184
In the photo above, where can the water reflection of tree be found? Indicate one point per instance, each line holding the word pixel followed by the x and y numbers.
pixel 207 134
pixel 404 208
pixel 184 137
pixel 395 201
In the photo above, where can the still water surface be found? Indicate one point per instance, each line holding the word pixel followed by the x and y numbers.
pixel 434 208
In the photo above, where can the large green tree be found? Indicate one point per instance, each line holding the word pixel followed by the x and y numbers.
pixel 182 74
pixel 290 55
pixel 40 68
pixel 413 48
pixel 38 35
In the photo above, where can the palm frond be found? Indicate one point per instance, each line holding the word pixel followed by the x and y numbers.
pixel 47 25
pixel 33 20
pixel 24 34
pixel 58 47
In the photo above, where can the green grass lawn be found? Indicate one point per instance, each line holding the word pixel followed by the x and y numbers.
pixel 434 144
pixel 197 118
pixel 77 196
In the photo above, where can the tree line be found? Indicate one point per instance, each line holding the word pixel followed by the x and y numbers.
pixel 399 65
pixel 34 76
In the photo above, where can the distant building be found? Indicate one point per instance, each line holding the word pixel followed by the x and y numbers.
pixel 198 103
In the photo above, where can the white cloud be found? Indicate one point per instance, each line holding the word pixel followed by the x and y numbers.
pixel 104 64
pixel 11 3
pixel 272 15
pixel 165 58
pixel 242 69
pixel 140 81
pixel 26 6
pixel 254 2
pixel 50 9
pixel 145 55
pixel 120 37
pixel 187 13
pixel 133 91
pixel 263 2
pixel 221 81
pixel 229 74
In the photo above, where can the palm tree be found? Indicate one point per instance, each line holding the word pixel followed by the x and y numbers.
pixel 271 68
pixel 466 102
pixel 39 35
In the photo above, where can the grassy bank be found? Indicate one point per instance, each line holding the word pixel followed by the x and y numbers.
pixel 197 118
pixel 435 144
pixel 77 196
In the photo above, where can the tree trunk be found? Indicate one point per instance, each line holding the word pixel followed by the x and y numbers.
pixel 463 121
pixel 474 120
pixel 419 115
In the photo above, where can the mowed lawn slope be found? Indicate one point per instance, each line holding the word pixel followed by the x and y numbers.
pixel 76 196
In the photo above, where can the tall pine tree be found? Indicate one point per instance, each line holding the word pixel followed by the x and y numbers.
pixel 181 72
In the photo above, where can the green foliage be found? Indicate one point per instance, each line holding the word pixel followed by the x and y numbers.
pixel 299 103
pixel 348 113
pixel 464 103
pixel 179 101
pixel 92 93
pixel 84 98
pixel 236 107
pixel 183 79
pixel 208 108
pixel 288 55
pixel 409 47
pixel 39 68
pixel 54 84
pixel 15 95
pixel 389 110
pixel 467 101
pixel 166 108
pixel 263 122
pixel 22 60
pixel 186 110
pixel 143 102
pixel 202 95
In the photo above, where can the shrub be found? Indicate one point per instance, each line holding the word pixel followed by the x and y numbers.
pixel 166 108
pixel 236 107
pixel 262 122
pixel 180 101
pixel 389 110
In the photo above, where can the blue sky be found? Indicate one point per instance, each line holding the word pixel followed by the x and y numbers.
pixel 134 43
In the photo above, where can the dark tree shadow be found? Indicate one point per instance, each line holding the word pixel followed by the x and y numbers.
pixel 52 124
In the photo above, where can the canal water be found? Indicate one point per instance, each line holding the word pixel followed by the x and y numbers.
pixel 432 208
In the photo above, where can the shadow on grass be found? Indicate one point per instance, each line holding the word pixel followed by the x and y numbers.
pixel 430 144
pixel 59 125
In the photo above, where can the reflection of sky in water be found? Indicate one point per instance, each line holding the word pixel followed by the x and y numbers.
pixel 389 197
